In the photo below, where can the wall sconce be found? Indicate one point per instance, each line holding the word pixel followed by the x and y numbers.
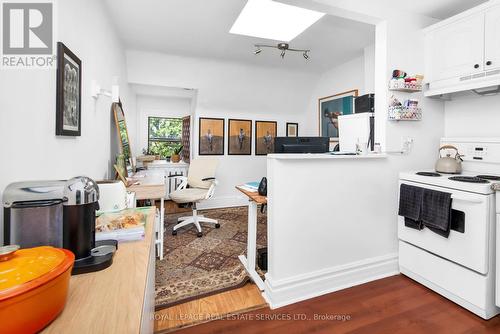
pixel 98 91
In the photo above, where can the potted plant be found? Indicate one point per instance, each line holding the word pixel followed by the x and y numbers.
pixel 176 156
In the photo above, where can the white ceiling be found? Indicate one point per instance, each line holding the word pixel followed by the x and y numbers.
pixel 440 9
pixel 200 28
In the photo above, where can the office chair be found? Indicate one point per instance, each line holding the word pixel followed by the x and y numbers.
pixel 199 185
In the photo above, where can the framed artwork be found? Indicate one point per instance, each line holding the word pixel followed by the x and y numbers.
pixel 240 137
pixel 292 129
pixel 69 93
pixel 265 132
pixel 330 108
pixel 211 136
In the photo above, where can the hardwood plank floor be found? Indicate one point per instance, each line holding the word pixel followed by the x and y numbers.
pixel 243 299
pixel 391 305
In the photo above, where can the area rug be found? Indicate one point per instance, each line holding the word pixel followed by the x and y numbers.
pixel 195 267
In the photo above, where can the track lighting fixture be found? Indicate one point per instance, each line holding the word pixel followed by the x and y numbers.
pixel 284 47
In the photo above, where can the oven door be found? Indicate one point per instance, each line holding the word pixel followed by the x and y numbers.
pixel 468 243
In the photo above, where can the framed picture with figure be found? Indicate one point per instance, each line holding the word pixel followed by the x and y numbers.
pixel 330 108
pixel 240 137
pixel 292 129
pixel 69 93
pixel 265 132
pixel 211 136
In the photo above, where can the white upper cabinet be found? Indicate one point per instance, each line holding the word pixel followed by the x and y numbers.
pixel 492 39
pixel 463 52
pixel 458 49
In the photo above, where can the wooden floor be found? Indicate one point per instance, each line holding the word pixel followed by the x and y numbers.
pixel 392 305
pixel 231 302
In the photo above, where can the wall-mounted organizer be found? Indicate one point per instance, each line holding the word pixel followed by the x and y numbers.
pixel 400 113
pixel 407 110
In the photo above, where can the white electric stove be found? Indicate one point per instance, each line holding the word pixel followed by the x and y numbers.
pixel 462 266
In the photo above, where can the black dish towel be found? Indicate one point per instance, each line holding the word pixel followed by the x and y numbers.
pixel 436 211
pixel 410 205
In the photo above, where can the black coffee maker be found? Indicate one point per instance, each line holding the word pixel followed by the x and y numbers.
pixel 81 195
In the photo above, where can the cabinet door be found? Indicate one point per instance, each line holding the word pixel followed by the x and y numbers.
pixel 458 48
pixel 492 39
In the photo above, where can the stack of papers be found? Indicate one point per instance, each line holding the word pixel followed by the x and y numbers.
pixel 125 225
pixel 250 186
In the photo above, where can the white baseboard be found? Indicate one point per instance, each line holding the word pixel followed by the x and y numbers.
pixel 223 202
pixel 302 287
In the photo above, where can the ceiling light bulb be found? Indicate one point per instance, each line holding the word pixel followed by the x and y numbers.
pixel 306 56
pixel 259 50
pixel 283 54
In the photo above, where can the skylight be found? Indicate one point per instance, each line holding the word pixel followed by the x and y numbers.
pixel 273 20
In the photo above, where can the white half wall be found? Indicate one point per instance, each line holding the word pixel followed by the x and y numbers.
pixel 29 148
pixel 229 90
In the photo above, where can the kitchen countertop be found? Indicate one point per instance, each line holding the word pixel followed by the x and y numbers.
pixel 325 156
pixel 110 300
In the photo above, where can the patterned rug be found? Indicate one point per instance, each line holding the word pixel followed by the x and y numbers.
pixel 197 267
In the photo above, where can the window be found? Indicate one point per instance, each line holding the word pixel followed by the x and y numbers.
pixel 164 135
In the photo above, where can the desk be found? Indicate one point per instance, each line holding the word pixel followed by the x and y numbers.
pixel 152 187
pixel 249 262
pixel 118 299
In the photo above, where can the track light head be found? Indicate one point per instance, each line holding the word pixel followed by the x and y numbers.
pixel 306 56
pixel 283 54
pixel 257 51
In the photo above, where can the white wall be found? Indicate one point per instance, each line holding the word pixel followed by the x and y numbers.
pixel 472 116
pixel 152 106
pixel 345 77
pixel 29 148
pixel 229 90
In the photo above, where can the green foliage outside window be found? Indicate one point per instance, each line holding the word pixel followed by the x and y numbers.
pixel 164 136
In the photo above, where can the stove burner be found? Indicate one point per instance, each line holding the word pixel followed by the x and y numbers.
pixel 489 177
pixel 428 174
pixel 470 179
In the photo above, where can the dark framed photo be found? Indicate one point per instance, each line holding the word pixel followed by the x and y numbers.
pixel 265 132
pixel 211 136
pixel 292 129
pixel 69 93
pixel 329 110
pixel 240 137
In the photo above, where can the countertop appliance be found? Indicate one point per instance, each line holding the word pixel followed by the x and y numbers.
pixel 356 129
pixel 33 287
pixel 462 266
pixel 33 213
pixel 112 196
pixel 59 214
pixel 81 196
pixel 449 164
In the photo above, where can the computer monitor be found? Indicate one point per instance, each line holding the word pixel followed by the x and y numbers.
pixel 301 144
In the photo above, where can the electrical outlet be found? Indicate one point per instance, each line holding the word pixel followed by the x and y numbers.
pixel 407 144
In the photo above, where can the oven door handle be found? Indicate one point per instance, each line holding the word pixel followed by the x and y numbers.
pixel 466 199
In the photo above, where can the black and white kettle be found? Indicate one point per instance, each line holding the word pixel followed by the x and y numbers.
pixel 449 164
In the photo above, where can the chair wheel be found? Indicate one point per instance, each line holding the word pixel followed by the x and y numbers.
pixel 199 234
pixel 217 225
pixel 174 232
